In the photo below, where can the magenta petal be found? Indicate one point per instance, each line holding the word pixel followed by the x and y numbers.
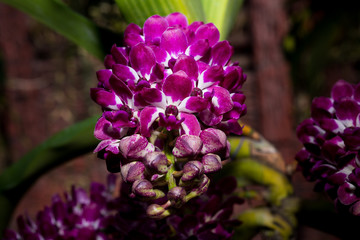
pixel 174 41
pixel 208 31
pixel 103 144
pixel 198 49
pixel 210 76
pixel 132 39
pixel 132 28
pixel 147 117
pixel 109 61
pixel 177 19
pixel 230 126
pixel 142 59
pixel 347 111
pixel 233 78
pixel 103 76
pixel 125 73
pixel 132 35
pixel 221 101
pixel 346 194
pixel 103 98
pixel 118 55
pixel 341 89
pixel 154 27
pixel 221 53
pixel 120 88
pixel 193 104
pixel 357 93
pixel 177 86
pixel 188 65
pixel 161 55
pixel 154 97
pixel 190 125
pixel 209 118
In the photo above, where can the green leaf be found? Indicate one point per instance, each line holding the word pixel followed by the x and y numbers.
pixel 222 14
pixel 58 16
pixel 137 11
pixel 71 142
pixel 255 219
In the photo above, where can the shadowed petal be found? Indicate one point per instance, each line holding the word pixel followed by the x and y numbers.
pixel 341 89
pixel 346 194
pixel 347 111
pixel 154 97
pixel 209 118
pixel 118 54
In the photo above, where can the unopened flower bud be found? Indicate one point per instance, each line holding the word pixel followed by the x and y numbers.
pixel 132 171
pixel 157 211
pixel 157 161
pixel 192 170
pixel 211 162
pixel 135 147
pixel 187 146
pixel 177 196
pixel 144 189
pixel 214 140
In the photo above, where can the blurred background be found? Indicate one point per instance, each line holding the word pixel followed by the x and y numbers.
pixel 291 50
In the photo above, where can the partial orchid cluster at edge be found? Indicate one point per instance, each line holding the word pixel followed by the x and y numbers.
pixel 169 97
pixel 331 139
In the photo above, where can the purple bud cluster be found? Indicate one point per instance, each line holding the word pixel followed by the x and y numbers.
pixel 331 139
pixel 169 98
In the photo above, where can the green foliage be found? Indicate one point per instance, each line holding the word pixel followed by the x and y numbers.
pixel 58 16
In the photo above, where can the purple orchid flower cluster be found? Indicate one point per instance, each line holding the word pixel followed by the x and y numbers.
pixel 78 216
pixel 331 139
pixel 169 99
pixel 103 216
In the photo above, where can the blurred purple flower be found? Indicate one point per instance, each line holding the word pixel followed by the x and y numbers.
pixel 331 139
pixel 101 215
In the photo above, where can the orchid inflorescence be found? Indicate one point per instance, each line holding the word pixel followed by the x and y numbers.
pixel 169 97
pixel 331 139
